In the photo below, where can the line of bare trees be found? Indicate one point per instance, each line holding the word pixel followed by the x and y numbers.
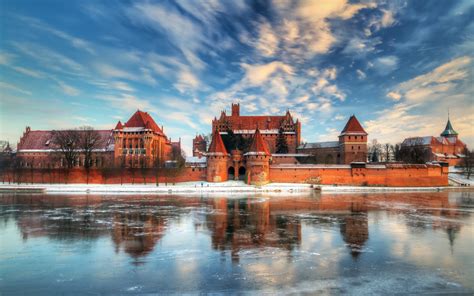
pixel 387 152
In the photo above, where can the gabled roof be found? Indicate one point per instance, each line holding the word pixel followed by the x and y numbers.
pixel 43 141
pixel 258 144
pixel 353 126
pixel 448 130
pixel 217 146
pixel 143 120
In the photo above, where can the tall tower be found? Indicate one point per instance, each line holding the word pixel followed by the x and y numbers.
pixel 236 109
pixel 352 142
pixel 217 158
pixel 258 161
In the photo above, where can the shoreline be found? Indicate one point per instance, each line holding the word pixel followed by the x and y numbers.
pixel 202 187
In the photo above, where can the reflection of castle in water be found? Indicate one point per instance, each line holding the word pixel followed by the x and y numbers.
pixel 235 224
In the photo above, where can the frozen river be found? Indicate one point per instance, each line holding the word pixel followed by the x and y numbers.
pixel 382 243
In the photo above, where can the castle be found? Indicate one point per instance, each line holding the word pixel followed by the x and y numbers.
pixel 254 149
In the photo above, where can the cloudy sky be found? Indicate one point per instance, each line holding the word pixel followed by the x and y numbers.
pixel 398 65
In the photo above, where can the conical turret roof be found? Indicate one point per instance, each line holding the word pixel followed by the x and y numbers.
pixel 217 146
pixel 119 125
pixel 259 146
pixel 448 130
pixel 353 126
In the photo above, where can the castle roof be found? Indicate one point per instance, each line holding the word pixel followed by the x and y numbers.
pixel 217 146
pixel 259 145
pixel 448 130
pixel 353 126
pixel 43 141
pixel 251 122
pixel 142 119
pixel 119 125
pixel 199 138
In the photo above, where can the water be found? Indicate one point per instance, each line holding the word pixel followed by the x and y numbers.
pixel 320 244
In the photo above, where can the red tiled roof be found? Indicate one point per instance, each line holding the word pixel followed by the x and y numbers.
pixel 258 144
pixel 43 140
pixel 353 126
pixel 143 119
pixel 217 145
pixel 252 122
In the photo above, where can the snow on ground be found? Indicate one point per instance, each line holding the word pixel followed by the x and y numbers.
pixel 459 179
pixel 199 187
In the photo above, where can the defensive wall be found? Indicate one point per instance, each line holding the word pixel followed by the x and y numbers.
pixel 356 174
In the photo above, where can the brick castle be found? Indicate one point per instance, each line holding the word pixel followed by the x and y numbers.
pixel 254 149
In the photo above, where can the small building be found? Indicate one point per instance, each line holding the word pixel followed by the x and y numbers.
pixel 445 148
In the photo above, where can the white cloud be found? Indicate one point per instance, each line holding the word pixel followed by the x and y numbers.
pixel 360 74
pixel 258 74
pixel 386 64
pixel 67 89
pixel 268 41
pixel 10 86
pixel 394 95
pixel 28 72
pixel 113 72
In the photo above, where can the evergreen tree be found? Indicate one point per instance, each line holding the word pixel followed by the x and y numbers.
pixel 281 144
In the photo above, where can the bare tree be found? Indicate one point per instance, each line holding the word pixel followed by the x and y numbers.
pixel 414 152
pixel 67 144
pixel 143 167
pixel 468 162
pixel 89 140
pixel 157 169
pixel 396 151
pixel 387 150
pixel 375 150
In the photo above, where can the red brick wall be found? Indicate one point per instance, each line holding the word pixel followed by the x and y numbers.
pixel 97 176
pixel 410 177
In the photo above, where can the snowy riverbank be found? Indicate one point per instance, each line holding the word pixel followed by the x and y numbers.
pixel 198 187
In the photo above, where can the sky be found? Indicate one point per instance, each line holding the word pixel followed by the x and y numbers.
pixel 399 66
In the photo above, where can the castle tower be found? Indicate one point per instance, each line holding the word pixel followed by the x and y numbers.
pixel 217 158
pixel 258 161
pixel 236 109
pixel 352 142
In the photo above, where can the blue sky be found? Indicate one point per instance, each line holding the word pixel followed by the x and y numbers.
pixel 398 65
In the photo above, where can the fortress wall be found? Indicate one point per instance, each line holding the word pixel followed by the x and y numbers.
pixel 392 177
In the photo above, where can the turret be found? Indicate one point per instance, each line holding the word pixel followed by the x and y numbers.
pixel 217 158
pixel 258 161
pixel 352 142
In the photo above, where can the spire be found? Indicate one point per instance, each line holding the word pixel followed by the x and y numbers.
pixel 259 145
pixel 353 126
pixel 448 130
pixel 217 146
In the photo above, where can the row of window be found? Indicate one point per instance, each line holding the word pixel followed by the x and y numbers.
pixel 137 151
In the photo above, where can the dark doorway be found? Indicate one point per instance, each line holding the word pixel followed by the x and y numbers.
pixel 242 173
pixel 231 173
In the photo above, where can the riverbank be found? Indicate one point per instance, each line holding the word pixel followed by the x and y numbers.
pixel 198 187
